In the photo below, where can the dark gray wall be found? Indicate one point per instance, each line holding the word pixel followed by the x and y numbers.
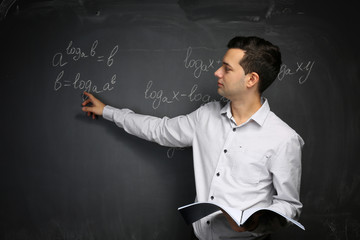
pixel 64 176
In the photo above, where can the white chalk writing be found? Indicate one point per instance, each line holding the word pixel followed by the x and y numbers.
pixel 302 71
pixel 159 97
pixel 76 54
pixel 73 54
pixel 198 65
pixel 85 85
pixel 171 151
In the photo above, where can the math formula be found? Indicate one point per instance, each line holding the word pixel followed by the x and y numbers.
pixel 68 75
pixel 198 65
pixel 195 65
pixel 160 96
pixel 301 71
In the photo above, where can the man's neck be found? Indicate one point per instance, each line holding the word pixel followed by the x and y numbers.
pixel 243 109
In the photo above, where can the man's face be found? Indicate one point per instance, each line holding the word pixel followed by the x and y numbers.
pixel 231 76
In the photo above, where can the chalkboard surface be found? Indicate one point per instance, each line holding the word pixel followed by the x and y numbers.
pixel 65 176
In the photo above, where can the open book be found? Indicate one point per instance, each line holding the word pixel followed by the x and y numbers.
pixel 195 211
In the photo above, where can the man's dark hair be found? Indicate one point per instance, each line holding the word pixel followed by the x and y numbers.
pixel 261 57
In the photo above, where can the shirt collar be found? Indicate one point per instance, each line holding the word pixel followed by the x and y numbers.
pixel 259 116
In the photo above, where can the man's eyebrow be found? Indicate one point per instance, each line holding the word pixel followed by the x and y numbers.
pixel 227 64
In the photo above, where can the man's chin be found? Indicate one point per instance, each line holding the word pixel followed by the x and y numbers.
pixel 221 93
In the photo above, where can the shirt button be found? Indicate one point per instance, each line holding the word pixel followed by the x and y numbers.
pixel 234 129
pixel 218 174
pixel 208 222
pixel 225 151
pixel 212 197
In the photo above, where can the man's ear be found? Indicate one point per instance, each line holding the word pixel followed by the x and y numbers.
pixel 253 79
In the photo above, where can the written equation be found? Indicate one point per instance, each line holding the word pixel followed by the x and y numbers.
pixel 300 72
pixel 71 55
pixel 197 66
pixel 159 96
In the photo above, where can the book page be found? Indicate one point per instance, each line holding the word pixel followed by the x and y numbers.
pixel 196 211
pixel 247 213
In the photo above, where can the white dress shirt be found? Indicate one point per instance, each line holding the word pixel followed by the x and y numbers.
pixel 255 164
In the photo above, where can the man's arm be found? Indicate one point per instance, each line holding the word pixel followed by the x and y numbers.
pixel 174 132
pixel 286 170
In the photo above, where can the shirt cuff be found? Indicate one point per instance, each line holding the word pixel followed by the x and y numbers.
pixel 108 113
pixel 115 115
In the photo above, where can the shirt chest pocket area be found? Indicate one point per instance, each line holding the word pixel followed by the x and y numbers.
pixel 247 165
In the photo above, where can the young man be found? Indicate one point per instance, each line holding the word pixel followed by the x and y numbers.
pixel 244 155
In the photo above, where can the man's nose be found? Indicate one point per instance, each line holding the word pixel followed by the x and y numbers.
pixel 217 73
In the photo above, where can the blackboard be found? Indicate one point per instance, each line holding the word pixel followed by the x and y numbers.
pixel 65 176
